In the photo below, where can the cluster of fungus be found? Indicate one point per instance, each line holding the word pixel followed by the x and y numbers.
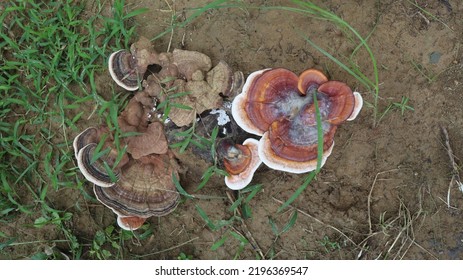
pixel 138 183
pixel 274 104
pixel 278 106
pixel 162 75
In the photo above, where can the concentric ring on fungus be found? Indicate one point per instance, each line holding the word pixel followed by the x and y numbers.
pixel 122 67
pixel 278 105
pixel 145 188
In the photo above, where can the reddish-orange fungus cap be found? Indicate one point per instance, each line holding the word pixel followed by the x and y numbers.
pixel 310 77
pixel 240 161
pixel 279 106
pixel 237 159
pixel 342 100
pixel 130 223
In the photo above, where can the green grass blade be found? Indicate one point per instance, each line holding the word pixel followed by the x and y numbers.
pixel 273 226
pixel 206 218
pixel 290 223
pixel 367 83
pixel 235 204
pixel 312 174
pixel 219 243
pixel 206 176
pixel 179 187
pixel 136 13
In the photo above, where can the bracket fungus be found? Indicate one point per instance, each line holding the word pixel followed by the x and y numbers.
pixel 240 161
pixel 127 68
pixel 188 62
pixel 122 68
pixel 145 189
pixel 130 222
pixel 185 78
pixel 279 106
pixel 223 80
pixel 141 184
pixel 149 137
pixel 94 169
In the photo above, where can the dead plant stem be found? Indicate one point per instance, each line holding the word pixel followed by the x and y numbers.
pixel 318 221
pixel 371 192
pixel 455 173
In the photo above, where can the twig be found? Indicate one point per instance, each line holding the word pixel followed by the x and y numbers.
pixel 424 249
pixel 171 23
pixel 38 242
pixel 425 18
pixel 371 192
pixel 446 202
pixel 455 174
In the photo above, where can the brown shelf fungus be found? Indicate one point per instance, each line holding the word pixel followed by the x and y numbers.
pixel 140 185
pixel 240 161
pixel 188 62
pixel 279 106
pixel 224 81
pixel 122 67
pixel 95 170
pixel 152 141
pixel 127 68
pixel 145 189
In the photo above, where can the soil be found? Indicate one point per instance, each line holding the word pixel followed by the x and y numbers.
pixel 384 193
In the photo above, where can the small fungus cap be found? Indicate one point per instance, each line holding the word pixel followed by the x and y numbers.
pixel 130 223
pixel 358 106
pixel 241 162
pixel 122 67
pixel 93 167
pixel 95 171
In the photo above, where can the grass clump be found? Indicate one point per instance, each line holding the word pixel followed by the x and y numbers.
pixel 50 53
pixel 401 106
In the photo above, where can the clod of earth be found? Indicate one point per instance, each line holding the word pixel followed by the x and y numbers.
pixel 279 106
